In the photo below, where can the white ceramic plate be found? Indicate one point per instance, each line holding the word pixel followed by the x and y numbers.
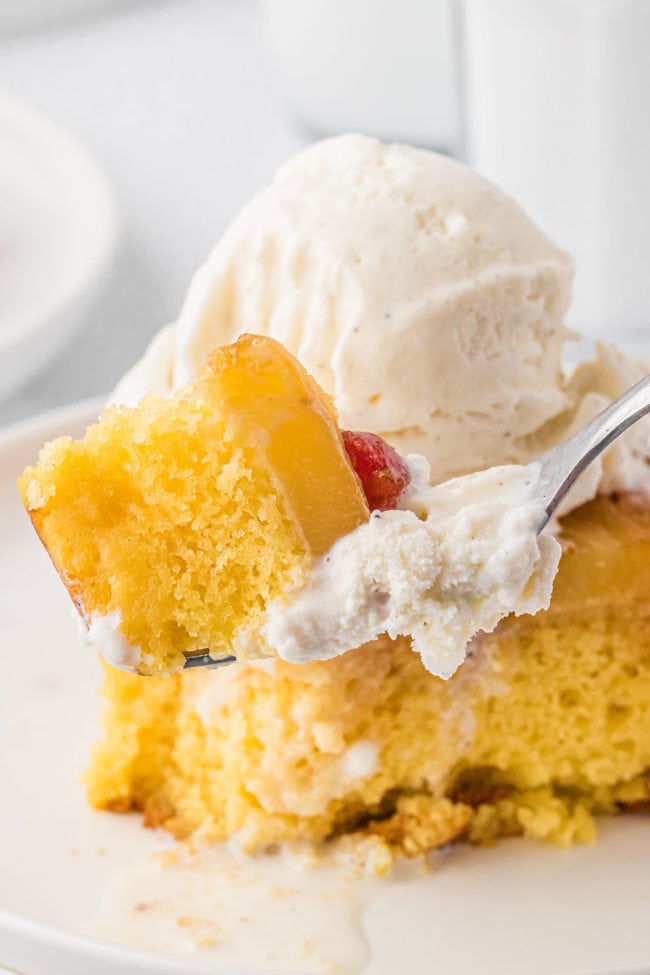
pixel 57 237
pixel 517 909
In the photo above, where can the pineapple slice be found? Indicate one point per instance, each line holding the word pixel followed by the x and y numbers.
pixel 273 403
pixel 175 523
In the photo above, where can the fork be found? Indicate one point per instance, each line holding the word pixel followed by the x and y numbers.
pixel 561 466
pixel 556 471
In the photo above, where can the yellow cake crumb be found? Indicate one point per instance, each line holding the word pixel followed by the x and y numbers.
pixel 177 522
pixel 546 724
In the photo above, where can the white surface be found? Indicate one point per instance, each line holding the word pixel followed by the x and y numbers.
pixel 57 239
pixel 516 909
pixel 21 14
pixel 177 103
pixel 380 66
pixel 558 113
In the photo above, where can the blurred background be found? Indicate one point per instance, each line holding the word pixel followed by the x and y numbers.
pixel 132 132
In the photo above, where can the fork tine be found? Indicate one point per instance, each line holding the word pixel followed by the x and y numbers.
pixel 200 658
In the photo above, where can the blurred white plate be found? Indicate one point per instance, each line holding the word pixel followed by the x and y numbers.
pixel 516 909
pixel 57 237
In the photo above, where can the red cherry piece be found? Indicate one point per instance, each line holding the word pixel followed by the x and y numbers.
pixel 382 472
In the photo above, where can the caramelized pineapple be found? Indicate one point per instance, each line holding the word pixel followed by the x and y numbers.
pixel 175 523
pixel 606 556
pixel 273 403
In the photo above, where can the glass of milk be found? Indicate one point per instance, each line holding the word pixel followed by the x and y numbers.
pixel 557 111
pixel 382 67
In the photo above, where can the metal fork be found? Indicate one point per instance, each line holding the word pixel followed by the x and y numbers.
pixel 557 470
pixel 201 658
pixel 560 467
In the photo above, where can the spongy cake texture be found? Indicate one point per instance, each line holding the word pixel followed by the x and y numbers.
pixel 546 723
pixel 181 519
pixel 129 496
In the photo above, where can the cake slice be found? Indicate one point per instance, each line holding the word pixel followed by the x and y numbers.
pixel 546 723
pixel 175 523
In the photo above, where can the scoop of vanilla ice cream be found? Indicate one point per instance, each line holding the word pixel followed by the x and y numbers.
pixel 417 293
